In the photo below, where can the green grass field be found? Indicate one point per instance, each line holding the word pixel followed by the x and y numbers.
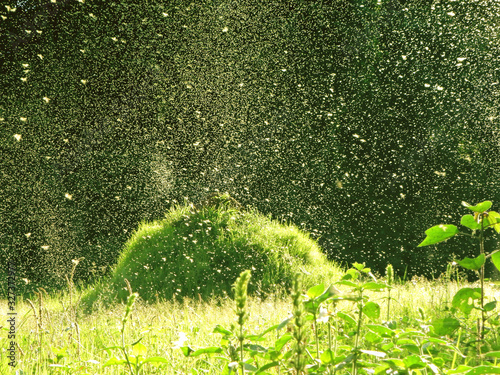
pixel 55 336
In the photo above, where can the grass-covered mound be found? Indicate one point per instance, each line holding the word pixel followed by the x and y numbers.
pixel 200 251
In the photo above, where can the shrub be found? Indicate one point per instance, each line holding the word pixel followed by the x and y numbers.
pixel 197 252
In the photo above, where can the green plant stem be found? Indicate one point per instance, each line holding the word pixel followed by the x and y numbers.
pixel 388 304
pixel 458 342
pixel 316 336
pixel 358 331
pixel 481 247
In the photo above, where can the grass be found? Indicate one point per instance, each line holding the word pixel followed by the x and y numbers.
pixel 199 252
pixel 52 339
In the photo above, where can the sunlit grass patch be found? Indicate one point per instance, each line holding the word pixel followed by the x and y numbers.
pixel 199 252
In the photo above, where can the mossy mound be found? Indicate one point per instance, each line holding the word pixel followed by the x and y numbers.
pixel 199 251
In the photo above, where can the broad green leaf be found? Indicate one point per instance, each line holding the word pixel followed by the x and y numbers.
pixel 272 328
pixel 347 283
pixel 492 354
pixel 374 353
pixel 445 326
pixel 113 361
pixel 459 370
pixel 492 220
pixel 490 306
pixel 327 357
pixel 394 362
pixel 156 360
pixel 249 367
pixel 139 349
pixel 469 222
pixel 209 350
pixel 187 350
pixel 414 362
pixel 461 299
pixel 439 233
pixel 223 331
pixel 372 310
pixel 267 366
pixel 473 263
pixel 483 370
pixel 372 337
pixel 480 207
pixel 347 318
pixel 374 286
pixel 358 266
pixel 315 291
pixel 495 258
pixel 281 342
pixel 284 323
pixel 381 330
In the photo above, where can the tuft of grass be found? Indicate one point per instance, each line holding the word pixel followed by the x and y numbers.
pixel 195 253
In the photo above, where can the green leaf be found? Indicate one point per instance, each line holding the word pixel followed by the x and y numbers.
pixel 327 357
pixel 439 233
pixel 358 266
pixel 223 331
pixel 347 283
pixel 495 258
pixel 267 366
pixel 372 310
pixel 374 353
pixel 113 361
pixel 315 291
pixel 209 350
pixel 445 326
pixel 480 207
pixel 284 323
pixel 187 350
pixel 347 318
pixel 272 328
pixel 492 354
pixel 473 263
pixel 139 349
pixel 414 362
pixel 469 222
pixel 461 299
pixel 490 306
pixel 483 370
pixel 374 286
pixel 381 330
pixel 156 360
pixel 281 342
pixel 373 338
pixel 493 220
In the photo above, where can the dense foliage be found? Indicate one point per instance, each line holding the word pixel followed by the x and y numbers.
pixel 353 119
pixel 199 252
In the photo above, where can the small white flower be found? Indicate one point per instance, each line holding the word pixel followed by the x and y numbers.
pixel 46 99
pixel 24 119
pixel 17 137
pixel 323 315
pixel 180 342
pixel 232 365
pixel 225 29
pixel 68 196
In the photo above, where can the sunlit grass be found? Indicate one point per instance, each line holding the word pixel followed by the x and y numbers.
pixel 52 329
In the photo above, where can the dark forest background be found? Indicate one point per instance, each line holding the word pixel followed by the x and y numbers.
pixel 364 122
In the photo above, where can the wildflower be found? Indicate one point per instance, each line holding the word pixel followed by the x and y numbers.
pixel 180 342
pixel 323 315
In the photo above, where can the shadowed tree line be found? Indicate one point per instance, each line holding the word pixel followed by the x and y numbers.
pixel 362 122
